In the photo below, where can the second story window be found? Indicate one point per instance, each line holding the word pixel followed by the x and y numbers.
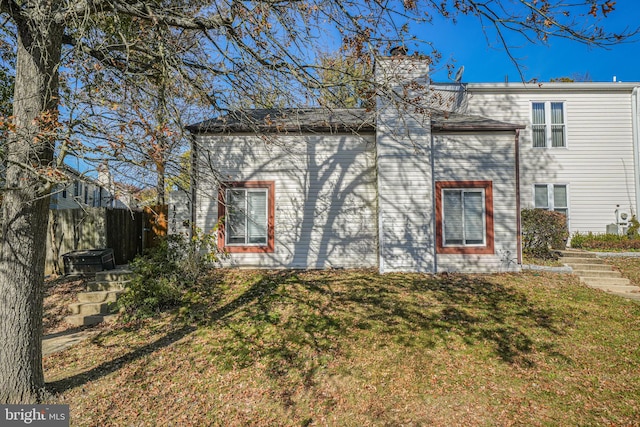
pixel 551 197
pixel 548 124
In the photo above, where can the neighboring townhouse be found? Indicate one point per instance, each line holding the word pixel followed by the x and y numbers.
pixel 432 180
pixel 80 190
pixel 579 151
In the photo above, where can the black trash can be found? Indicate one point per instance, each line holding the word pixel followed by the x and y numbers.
pixel 88 261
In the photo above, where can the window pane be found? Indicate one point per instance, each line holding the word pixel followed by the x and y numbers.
pixel 539 136
pixel 559 197
pixel 538 113
pixel 538 127
pixel 473 218
pixel 557 124
pixel 541 197
pixel 452 216
pixel 236 215
pixel 257 217
pixel 557 135
pixel 557 115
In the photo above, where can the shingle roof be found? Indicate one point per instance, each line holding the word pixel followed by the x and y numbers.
pixel 318 120
pixel 446 121
pixel 289 120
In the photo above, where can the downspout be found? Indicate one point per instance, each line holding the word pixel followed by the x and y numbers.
pixel 194 183
pixel 518 216
pixel 635 122
pixel 379 207
pixel 433 205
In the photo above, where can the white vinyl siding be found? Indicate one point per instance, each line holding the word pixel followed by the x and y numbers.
pixel 325 196
pixel 488 156
pixel 246 220
pixel 548 124
pixel 597 162
pixel 463 217
pixel 404 173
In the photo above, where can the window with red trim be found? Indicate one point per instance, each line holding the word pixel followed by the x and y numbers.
pixel 246 210
pixel 464 217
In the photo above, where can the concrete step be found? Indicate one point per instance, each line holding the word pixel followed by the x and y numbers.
pixel 569 253
pixel 99 296
pixel 605 281
pixel 106 286
pixel 114 275
pixel 620 289
pixel 597 273
pixel 90 308
pixel 82 320
pixel 583 261
pixel 590 266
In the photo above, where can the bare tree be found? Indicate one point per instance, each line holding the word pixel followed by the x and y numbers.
pixel 216 49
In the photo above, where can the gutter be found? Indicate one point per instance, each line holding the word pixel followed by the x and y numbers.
pixel 552 87
pixel 635 123
pixel 433 206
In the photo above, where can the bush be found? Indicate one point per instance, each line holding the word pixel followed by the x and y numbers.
pixel 165 274
pixel 634 226
pixel 543 231
pixel 605 242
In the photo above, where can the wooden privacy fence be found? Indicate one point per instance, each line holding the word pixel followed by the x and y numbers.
pixel 93 228
pixel 155 224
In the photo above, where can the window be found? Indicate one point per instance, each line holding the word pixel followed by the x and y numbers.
pixel 247 213
pixel 548 124
pixel 77 188
pixel 551 197
pixel 464 217
pixel 64 192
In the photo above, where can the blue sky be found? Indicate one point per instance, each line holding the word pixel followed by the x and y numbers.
pixel 468 46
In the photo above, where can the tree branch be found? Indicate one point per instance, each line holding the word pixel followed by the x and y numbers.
pixel 145 11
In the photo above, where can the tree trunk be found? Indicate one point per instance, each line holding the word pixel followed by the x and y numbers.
pixel 25 208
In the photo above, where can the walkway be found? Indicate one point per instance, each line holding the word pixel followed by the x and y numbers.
pixel 55 343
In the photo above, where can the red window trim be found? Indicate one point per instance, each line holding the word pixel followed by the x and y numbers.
pixel 489 248
pixel 269 247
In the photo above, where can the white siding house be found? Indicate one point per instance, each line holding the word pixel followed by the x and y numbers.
pixel 79 191
pixel 433 180
pixel 402 188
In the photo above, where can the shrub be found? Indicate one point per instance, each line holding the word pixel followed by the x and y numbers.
pixel 605 242
pixel 634 226
pixel 543 231
pixel 164 275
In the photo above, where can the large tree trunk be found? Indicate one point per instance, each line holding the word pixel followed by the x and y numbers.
pixel 25 208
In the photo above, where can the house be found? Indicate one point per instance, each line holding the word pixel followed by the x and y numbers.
pixel 579 153
pixel 82 191
pixel 433 180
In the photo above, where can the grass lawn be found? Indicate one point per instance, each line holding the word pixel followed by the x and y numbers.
pixel 353 348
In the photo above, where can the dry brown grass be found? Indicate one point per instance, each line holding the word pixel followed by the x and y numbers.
pixel 354 348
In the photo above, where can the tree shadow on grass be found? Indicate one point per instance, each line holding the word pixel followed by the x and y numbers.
pixel 296 329
pixel 257 291
pixel 294 323
pixel 428 311
pixel 290 331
